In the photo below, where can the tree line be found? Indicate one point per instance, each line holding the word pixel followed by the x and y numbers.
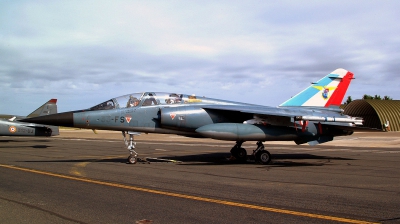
pixel 369 97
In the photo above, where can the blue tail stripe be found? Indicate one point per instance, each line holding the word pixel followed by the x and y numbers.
pixel 306 94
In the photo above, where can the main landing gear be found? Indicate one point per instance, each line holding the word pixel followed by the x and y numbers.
pixel 130 144
pixel 238 152
pixel 261 155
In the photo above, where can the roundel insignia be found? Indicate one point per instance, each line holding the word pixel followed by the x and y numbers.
pixel 12 129
pixel 173 115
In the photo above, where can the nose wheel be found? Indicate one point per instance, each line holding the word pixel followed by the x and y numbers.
pixel 132 159
pixel 130 144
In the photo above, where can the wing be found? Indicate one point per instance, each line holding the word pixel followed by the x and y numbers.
pixel 259 123
pixel 286 116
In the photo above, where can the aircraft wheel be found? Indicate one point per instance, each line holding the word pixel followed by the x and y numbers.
pixel 240 154
pixel 263 157
pixel 132 160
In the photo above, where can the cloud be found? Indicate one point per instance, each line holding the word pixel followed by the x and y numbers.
pixel 255 51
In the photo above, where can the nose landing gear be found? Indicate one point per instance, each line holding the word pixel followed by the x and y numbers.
pixel 130 144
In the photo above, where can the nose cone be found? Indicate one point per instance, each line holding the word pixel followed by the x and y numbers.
pixel 62 119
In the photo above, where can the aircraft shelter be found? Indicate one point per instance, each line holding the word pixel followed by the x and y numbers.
pixel 380 114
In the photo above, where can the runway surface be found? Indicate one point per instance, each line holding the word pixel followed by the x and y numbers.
pixel 80 177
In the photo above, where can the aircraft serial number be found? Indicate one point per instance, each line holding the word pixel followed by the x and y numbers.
pixel 25 130
pixel 115 119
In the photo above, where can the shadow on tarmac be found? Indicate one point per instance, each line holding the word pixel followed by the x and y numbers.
pixel 278 160
pixel 24 140
pixel 30 146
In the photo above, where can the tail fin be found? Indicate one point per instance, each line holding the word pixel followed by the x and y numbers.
pixel 329 91
pixel 50 107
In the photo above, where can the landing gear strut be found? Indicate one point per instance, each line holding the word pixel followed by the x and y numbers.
pixel 238 152
pixel 130 144
pixel 262 156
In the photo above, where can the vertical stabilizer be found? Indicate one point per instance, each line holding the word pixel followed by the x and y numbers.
pixel 328 91
pixel 50 107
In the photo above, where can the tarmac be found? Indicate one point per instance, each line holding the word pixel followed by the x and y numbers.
pixel 82 177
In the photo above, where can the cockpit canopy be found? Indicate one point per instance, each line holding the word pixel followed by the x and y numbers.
pixel 153 98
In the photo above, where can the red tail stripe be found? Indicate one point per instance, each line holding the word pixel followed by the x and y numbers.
pixel 338 95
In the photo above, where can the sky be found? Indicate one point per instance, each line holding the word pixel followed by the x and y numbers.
pixel 260 52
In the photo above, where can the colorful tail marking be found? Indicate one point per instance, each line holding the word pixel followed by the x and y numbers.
pixel 329 91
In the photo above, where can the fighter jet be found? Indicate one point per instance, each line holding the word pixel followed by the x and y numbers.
pixel 313 116
pixel 11 126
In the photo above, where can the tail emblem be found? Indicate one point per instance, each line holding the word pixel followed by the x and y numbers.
pixel 325 91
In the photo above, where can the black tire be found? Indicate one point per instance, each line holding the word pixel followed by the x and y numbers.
pixel 240 154
pixel 132 160
pixel 263 157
